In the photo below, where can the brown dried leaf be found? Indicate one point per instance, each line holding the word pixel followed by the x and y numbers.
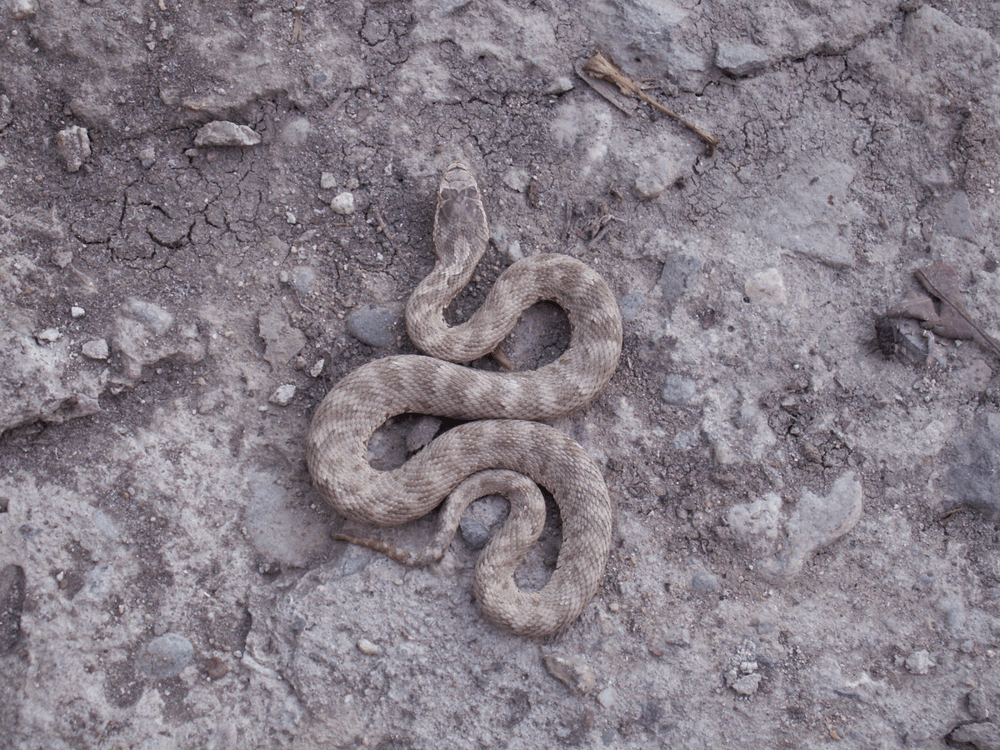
pixel 941 281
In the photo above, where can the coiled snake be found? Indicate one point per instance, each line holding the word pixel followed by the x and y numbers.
pixel 506 446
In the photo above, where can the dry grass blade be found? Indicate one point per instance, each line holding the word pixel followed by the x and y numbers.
pixel 604 68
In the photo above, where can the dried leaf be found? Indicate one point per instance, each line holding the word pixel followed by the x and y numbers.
pixel 954 322
pixel 941 308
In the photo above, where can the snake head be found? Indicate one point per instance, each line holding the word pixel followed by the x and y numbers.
pixel 460 226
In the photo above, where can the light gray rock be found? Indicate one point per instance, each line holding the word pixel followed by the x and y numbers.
pixel 631 305
pixel 655 176
pixel 74 147
pixel 704 581
pixel 6 112
pixel 343 203
pixel 165 656
pixel 675 278
pixel 96 349
pixel 303 279
pixel 374 326
pixel 766 288
pixel 474 533
pixel 920 662
pixel 747 684
pixel 283 395
pixel 981 735
pixel 21 9
pixel 678 390
pixel 517 179
pixel 225 133
pixel 572 671
pixel 740 60
pixel 36 382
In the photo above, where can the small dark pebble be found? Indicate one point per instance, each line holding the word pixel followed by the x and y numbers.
pixel 216 668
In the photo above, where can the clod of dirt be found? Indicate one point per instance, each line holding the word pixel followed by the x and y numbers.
pixel 37 383
pixel 281 340
pixel 144 335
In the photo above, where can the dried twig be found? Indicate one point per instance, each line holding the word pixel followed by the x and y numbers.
pixel 604 68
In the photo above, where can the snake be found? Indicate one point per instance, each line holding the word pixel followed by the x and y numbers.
pixel 502 445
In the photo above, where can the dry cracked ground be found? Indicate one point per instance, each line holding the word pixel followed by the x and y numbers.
pixel 805 539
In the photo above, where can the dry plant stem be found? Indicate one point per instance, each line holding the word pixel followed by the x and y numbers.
pixel 601 67
pixel 988 341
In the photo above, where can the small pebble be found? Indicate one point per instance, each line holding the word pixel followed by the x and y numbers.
pixel 166 656
pixel 367 647
pixel 74 147
pixel 48 336
pixel 560 85
pixel 574 672
pixel 317 369
pixel 474 533
pixel 766 288
pixel 517 179
pixel 77 312
pixel 343 204
pixel 607 697
pixel 303 279
pixel 147 157
pixel 6 113
pixel 328 181
pixel 216 668
pixel 704 581
pixel 920 662
pixel 283 395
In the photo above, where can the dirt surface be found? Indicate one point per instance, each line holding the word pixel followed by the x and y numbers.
pixel 805 543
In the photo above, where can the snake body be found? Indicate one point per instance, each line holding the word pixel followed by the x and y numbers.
pixel 505 445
